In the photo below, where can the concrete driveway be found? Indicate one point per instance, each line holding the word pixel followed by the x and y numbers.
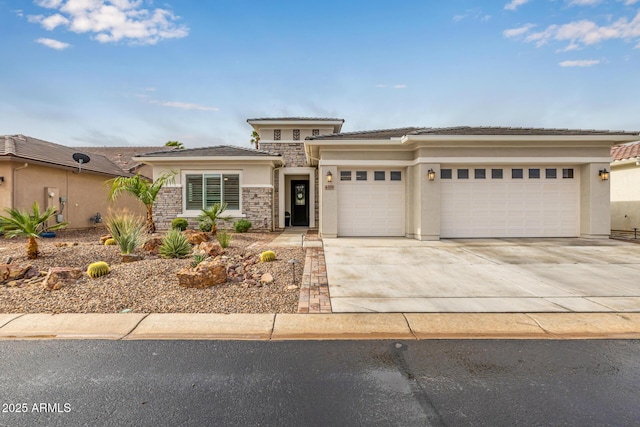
pixel 482 275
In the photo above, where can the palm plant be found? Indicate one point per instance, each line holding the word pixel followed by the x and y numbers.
pixel 141 189
pixel 213 213
pixel 27 224
pixel 255 139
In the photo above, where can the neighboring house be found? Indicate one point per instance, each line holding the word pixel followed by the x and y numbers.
pixel 35 170
pixel 625 186
pixel 421 183
pixel 122 156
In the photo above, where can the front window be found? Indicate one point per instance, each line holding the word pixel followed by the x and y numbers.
pixel 203 190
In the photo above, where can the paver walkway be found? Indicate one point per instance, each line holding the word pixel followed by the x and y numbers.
pixel 314 289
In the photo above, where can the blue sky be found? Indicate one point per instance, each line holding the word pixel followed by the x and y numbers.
pixel 126 72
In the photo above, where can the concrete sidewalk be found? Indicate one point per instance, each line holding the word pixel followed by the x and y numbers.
pixel 138 326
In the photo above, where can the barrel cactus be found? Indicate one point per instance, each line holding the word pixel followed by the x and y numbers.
pixel 98 269
pixel 267 256
pixel 110 242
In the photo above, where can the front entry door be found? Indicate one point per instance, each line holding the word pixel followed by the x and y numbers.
pixel 300 203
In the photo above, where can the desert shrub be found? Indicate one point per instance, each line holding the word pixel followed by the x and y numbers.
pixel 267 256
pixel 242 225
pixel 213 213
pixel 224 238
pixel 110 242
pixel 179 224
pixel 175 245
pixel 197 259
pixel 127 229
pixel 98 269
pixel 205 225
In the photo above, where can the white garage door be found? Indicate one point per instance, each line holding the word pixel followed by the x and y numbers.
pixel 371 202
pixel 506 201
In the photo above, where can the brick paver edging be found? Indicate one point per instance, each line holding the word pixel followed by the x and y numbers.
pixel 314 289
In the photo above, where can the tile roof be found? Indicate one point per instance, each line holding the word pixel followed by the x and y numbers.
pixel 327 119
pixel 121 156
pixel 497 130
pixel 466 130
pixel 217 151
pixel 368 134
pixel 629 150
pixel 45 152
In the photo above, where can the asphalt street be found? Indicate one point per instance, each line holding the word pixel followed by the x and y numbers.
pixel 309 383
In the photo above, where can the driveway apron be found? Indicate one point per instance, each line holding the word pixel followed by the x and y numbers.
pixel 482 275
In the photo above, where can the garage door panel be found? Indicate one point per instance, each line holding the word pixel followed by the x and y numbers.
pixel 371 208
pixel 509 207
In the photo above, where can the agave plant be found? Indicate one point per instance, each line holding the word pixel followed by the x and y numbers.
pixel 213 213
pixel 19 223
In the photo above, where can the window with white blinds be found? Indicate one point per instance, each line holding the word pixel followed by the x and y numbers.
pixel 204 190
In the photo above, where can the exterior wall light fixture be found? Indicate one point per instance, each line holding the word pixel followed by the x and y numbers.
pixel 329 176
pixel 431 174
pixel 604 174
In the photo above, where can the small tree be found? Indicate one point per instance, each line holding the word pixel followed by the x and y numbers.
pixel 142 190
pixel 28 224
pixel 177 144
pixel 213 213
pixel 255 139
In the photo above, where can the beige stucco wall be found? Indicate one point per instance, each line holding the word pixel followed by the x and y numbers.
pixel 86 193
pixel 251 174
pixel 422 212
pixel 625 196
pixel 286 132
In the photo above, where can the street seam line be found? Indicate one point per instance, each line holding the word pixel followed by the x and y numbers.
pixel 541 327
pixel 409 326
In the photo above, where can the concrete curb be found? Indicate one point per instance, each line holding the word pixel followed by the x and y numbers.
pixel 177 326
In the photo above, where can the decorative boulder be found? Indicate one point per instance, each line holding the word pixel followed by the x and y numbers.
pixel 10 272
pixel 59 277
pixel 266 279
pixel 213 249
pixel 131 257
pixel 152 245
pixel 196 237
pixel 105 238
pixel 205 275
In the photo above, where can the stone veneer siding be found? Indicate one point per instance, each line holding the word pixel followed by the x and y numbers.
pixel 257 205
pixel 292 152
pixel 168 205
pixel 276 194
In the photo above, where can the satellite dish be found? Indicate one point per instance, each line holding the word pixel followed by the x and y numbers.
pixel 81 158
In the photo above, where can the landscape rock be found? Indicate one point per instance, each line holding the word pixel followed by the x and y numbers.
pixel 205 275
pixel 131 257
pixel 213 249
pixel 16 271
pixel 105 238
pixel 59 277
pixel 65 244
pixel 152 245
pixel 196 237
pixel 266 279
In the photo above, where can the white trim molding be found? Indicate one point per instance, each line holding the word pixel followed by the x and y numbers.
pixel 282 173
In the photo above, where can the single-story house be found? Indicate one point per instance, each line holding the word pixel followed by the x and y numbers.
pixel 418 182
pixel 625 186
pixel 35 170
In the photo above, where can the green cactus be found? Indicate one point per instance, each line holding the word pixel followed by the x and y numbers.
pixel 98 269
pixel 267 256
pixel 109 242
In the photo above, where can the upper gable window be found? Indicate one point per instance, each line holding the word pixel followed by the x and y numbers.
pixel 277 134
pixel 315 132
pixel 296 134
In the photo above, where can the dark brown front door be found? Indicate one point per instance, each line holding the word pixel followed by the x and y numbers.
pixel 300 203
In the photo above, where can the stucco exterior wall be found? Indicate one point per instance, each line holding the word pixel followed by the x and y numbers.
pixel 86 193
pixel 625 196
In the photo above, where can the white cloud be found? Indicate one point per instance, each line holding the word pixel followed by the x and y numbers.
pixel 53 44
pixel 580 63
pixel 584 2
pixel 182 105
pixel 583 33
pixel 515 32
pixel 514 4
pixel 112 20
pixel 475 14
pixel 399 86
pixel 631 2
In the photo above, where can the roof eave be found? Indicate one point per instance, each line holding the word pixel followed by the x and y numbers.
pixel 211 159
pixel 611 139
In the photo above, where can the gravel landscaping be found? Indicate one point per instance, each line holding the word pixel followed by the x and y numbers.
pixel 151 285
